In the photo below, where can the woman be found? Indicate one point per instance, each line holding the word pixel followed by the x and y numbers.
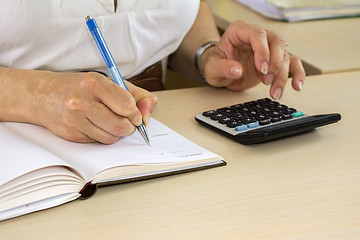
pixel 50 64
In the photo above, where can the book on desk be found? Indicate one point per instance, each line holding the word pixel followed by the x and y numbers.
pixel 40 170
pixel 303 10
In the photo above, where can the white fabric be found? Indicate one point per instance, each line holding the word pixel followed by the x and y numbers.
pixel 52 34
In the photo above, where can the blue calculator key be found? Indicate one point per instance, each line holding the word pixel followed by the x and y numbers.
pixel 240 128
pixel 253 125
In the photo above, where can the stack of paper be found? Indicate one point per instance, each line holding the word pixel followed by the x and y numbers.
pixel 302 10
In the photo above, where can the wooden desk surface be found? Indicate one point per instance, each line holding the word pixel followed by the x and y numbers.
pixel 325 46
pixel 303 187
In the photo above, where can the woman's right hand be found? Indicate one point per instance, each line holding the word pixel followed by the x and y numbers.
pixel 80 107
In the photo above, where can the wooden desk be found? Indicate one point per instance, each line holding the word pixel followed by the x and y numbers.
pixel 325 46
pixel 303 187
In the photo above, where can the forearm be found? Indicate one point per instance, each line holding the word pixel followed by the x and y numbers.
pixel 18 89
pixel 203 30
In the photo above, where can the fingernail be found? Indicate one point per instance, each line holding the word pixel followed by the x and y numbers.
pixel 235 72
pixel 146 118
pixel 300 84
pixel 277 93
pixel 264 67
pixel 269 78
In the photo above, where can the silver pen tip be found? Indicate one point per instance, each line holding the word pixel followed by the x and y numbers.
pixel 143 133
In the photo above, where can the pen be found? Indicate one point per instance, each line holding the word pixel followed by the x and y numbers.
pixel 110 64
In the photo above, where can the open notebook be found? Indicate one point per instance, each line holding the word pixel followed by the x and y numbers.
pixel 40 170
pixel 302 10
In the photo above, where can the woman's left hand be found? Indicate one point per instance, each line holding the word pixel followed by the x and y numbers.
pixel 247 55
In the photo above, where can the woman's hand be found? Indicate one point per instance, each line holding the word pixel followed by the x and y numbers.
pixel 80 107
pixel 248 54
pixel 89 107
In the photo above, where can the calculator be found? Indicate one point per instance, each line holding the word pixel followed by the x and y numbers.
pixel 262 120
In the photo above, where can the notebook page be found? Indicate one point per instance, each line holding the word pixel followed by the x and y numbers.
pixel 90 158
pixel 20 156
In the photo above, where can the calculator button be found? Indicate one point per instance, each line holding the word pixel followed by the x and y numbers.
pixel 298 114
pixel 217 116
pixel 274 114
pixel 275 119
pixel 253 113
pixel 287 116
pixel 258 105
pixel 266 110
pixel 241 128
pixel 209 113
pixel 286 111
pixel 225 120
pixel 292 110
pixel 227 111
pixel 239 116
pixel 253 125
pixel 264 122
pixel 236 106
pixel 232 124
pixel 247 120
pixel 265 100
pixel 274 103
pixel 260 117
pixel 244 109
pixel 282 107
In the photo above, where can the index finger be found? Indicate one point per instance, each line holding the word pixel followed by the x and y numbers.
pixel 257 38
pixel 117 99
pixel 145 100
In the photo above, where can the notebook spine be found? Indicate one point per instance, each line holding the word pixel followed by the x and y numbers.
pixel 88 190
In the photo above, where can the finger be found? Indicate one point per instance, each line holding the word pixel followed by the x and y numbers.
pixel 222 72
pixel 277 52
pixel 146 107
pixel 258 40
pixel 72 134
pixel 122 103
pixel 298 73
pixel 278 85
pixel 145 101
pixel 89 129
pixel 105 119
pixel 241 34
pixel 79 129
pixel 94 121
pixel 119 100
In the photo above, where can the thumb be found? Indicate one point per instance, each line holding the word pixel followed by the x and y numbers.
pixel 222 72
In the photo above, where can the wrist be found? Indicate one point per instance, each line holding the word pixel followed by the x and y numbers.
pixel 16 95
pixel 201 57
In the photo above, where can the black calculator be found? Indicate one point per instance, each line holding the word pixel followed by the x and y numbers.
pixel 262 120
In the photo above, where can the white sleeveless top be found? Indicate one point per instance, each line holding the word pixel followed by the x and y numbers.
pixel 52 34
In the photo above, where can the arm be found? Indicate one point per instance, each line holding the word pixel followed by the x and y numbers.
pixel 80 107
pixel 245 56
pixel 203 30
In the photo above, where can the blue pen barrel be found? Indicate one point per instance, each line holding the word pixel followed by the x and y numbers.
pixel 105 53
pixel 110 64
